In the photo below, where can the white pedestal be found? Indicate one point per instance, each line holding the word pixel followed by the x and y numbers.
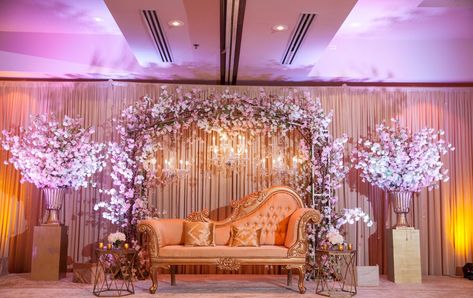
pixel 404 256
pixel 367 276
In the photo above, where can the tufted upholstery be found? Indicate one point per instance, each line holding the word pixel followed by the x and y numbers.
pixel 272 216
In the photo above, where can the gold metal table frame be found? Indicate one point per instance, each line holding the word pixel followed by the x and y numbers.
pixel 335 272
pixel 114 275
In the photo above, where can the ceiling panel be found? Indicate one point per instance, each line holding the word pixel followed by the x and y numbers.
pixel 263 48
pixel 428 41
pixel 194 46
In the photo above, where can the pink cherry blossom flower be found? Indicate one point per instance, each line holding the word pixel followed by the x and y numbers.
pixel 55 155
pixel 395 159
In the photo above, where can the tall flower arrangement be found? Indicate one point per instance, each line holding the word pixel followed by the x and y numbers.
pixel 395 159
pixel 53 154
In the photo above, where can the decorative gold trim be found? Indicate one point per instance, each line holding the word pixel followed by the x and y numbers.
pixel 299 249
pixel 201 216
pixel 243 206
pixel 253 201
pixel 241 260
pixel 229 264
pixel 153 239
pixel 247 205
pixel 250 204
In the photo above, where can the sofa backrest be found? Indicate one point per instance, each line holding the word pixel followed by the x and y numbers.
pixel 269 210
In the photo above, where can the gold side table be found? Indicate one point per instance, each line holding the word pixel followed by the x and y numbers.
pixel 114 275
pixel 335 272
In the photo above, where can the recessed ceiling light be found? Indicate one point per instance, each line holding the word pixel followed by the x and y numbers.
pixel 355 24
pixel 279 27
pixel 176 23
pixel 98 19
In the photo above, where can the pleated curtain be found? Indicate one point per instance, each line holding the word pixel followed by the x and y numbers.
pixel 443 216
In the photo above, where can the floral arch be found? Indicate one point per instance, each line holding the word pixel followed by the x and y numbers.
pixel 141 125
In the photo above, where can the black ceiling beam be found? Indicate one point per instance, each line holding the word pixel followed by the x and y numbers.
pixel 241 18
pixel 223 53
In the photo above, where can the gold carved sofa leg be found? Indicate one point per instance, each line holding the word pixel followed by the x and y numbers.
pixel 301 269
pixel 154 279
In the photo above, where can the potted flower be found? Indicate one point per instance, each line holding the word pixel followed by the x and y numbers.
pixel 54 156
pixel 402 163
pixel 116 239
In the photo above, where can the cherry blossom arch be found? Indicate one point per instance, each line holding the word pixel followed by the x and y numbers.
pixel 140 126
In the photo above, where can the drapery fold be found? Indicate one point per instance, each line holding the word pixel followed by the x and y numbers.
pixel 443 215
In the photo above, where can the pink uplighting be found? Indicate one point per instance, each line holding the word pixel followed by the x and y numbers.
pixel 236 148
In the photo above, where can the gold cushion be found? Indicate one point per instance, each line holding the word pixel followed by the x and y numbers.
pixel 245 236
pixel 223 251
pixel 199 233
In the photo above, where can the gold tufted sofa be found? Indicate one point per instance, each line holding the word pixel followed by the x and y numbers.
pixel 278 211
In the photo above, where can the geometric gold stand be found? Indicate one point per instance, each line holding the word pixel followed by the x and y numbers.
pixel 335 273
pixel 114 275
pixel 404 256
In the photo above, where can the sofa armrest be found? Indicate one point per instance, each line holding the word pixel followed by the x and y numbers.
pixel 161 232
pixel 151 228
pixel 296 235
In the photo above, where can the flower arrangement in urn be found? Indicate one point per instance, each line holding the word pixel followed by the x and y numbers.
pixel 54 156
pixel 116 239
pixel 401 162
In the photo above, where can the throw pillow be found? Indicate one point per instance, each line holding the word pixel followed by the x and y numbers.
pixel 245 236
pixel 199 233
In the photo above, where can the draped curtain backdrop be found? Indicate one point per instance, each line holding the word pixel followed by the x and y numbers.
pixel 443 216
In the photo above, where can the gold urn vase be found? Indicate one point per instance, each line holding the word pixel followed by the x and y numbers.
pixel 401 201
pixel 53 198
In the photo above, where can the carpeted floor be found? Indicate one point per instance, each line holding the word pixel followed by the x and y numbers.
pixel 19 285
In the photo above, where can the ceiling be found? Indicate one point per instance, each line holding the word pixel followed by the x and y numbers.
pixel 234 42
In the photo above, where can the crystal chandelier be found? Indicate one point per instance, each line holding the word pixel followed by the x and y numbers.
pixel 229 152
pixel 170 172
pixel 280 167
pixel 173 170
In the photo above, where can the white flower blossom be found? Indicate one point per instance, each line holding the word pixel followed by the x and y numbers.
pixel 53 154
pixel 397 160
pixel 117 236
